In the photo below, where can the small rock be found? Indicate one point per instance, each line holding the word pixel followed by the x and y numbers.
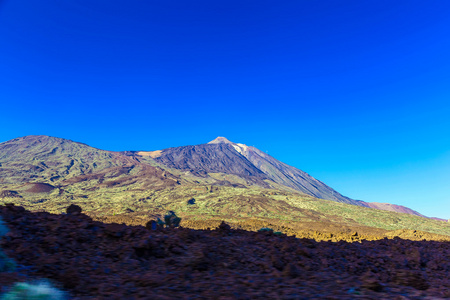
pixel 224 226
pixel 73 210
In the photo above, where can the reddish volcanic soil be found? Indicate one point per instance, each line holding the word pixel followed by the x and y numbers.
pixel 39 188
pixel 111 261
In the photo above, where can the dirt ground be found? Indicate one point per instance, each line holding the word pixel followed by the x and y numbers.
pixel 92 260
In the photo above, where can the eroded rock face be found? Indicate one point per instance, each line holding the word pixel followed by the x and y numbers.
pixel 115 261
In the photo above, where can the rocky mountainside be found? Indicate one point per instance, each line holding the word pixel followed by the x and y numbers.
pixel 34 158
pixel 223 156
pixel 285 174
pixel 209 158
pixel 43 164
pixel 218 156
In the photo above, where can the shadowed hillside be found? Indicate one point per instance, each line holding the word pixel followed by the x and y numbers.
pixel 114 261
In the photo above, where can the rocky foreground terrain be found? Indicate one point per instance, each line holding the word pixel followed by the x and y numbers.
pixel 90 259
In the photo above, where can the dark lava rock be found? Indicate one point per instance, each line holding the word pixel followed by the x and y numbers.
pixel 411 278
pixel 73 209
pixel 91 260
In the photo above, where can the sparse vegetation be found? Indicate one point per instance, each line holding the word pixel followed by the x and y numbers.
pixel 112 187
pixel 237 206
pixel 265 229
pixel 170 221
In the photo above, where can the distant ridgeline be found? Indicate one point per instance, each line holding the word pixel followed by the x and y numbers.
pixel 220 180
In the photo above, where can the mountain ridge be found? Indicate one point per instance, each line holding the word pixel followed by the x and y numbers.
pixel 62 163
pixel 287 175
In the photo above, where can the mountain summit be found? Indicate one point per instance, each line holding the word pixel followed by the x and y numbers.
pixel 286 175
pixel 220 140
pixel 47 163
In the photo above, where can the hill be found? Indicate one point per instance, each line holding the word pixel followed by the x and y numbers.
pixel 54 162
pixel 204 184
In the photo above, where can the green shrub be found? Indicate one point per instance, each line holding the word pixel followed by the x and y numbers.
pixel 41 290
pixel 170 220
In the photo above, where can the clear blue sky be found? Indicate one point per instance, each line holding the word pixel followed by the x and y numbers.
pixel 356 93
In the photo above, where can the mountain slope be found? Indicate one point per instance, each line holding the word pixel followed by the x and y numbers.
pixel 35 160
pixel 209 158
pixel 67 169
pixel 285 174
pixel 49 158
pixel 393 207
pixel 301 181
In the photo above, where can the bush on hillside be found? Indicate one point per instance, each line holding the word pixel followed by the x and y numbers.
pixel 171 220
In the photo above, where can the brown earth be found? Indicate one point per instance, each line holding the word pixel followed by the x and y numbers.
pixel 393 207
pixel 39 188
pixel 90 259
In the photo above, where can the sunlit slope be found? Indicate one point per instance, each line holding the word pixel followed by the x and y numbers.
pixel 45 173
pixel 209 204
pixel 223 156
pixel 35 158
pixel 291 176
pixel 63 164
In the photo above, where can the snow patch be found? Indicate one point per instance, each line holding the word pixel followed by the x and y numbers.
pixel 241 148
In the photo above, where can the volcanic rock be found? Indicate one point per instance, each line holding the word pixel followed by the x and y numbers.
pixel 113 261
pixel 73 209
